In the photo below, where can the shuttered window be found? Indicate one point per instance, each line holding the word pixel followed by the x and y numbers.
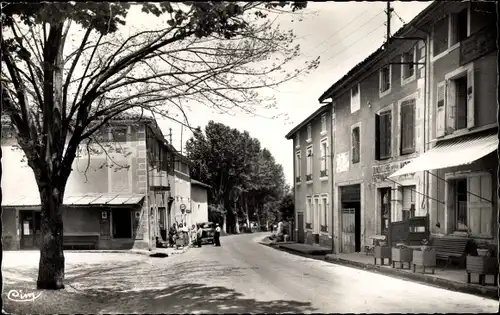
pixel 408 127
pixel 355 145
pixel 383 134
pixel 440 110
pixel 479 207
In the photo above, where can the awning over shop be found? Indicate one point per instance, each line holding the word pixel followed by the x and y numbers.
pixel 452 153
pixel 90 199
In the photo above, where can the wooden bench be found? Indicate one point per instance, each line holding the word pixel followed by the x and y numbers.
pixel 76 241
pixel 448 248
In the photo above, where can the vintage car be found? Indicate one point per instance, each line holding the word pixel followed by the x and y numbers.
pixel 208 231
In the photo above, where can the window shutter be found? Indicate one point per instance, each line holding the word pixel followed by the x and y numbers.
pixel 388 134
pixel 440 112
pixel 480 211
pixel 451 93
pixel 470 99
pixel 377 137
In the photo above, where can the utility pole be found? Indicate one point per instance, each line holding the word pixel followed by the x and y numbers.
pixel 170 135
pixel 388 12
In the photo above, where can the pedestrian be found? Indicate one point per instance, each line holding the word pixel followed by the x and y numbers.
pixel 199 235
pixel 193 232
pixel 217 235
pixel 171 235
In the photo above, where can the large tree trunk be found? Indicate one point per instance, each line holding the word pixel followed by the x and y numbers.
pixel 51 266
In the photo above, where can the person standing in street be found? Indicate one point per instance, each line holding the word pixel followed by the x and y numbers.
pixel 217 235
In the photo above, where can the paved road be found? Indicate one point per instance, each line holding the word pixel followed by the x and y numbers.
pixel 239 277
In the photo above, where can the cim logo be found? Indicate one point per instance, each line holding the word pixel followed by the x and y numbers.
pixel 20 296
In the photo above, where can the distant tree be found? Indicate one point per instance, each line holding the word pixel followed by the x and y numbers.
pixel 67 70
pixel 246 181
pixel 287 207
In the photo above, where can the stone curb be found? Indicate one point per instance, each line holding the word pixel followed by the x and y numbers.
pixel 491 293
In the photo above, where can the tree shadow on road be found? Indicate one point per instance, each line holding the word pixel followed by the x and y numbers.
pixel 176 299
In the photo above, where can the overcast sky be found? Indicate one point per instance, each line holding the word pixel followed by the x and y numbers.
pixel 342 34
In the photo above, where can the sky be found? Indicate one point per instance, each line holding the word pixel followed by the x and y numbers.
pixel 342 34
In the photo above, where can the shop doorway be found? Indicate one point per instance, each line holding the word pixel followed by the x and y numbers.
pixel 350 211
pixel 122 223
pixel 31 233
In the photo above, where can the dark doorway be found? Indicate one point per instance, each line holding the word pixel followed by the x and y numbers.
pixel 300 225
pixel 30 229
pixel 351 218
pixel 122 223
pixel 385 210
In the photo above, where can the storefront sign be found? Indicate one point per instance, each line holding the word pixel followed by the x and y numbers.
pixel 477 45
pixel 381 172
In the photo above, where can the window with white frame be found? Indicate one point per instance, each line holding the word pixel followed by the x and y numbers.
pixel 309 170
pixel 297 167
pixel 440 36
pixel 407 126
pixel 355 98
pixel 324 158
pixel 383 134
pixel 355 144
pixel 408 60
pixel 309 132
pixel 455 99
pixel 385 80
pixel 323 123
pixel 469 204
pixel 309 216
pixel 409 201
pixel 459 24
pixel 324 213
pixel 297 139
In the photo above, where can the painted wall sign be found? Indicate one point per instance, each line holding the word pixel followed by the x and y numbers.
pixel 381 172
pixel 342 162
pixel 477 45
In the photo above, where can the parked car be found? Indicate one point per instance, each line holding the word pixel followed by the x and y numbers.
pixel 207 235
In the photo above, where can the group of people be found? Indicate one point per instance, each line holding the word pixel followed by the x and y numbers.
pixel 181 235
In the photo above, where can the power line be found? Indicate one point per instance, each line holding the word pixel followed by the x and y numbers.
pixel 352 32
pixel 330 37
pixel 377 39
pixel 375 29
pixel 399 17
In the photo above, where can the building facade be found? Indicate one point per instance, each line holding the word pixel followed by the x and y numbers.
pixel 430 90
pixel 115 195
pixel 461 160
pixel 313 178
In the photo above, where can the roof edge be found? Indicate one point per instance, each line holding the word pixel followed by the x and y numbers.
pixel 371 58
pixel 305 121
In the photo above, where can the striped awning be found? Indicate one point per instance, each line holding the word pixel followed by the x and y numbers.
pixel 89 199
pixel 451 153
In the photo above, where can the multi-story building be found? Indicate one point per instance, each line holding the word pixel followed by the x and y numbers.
pixel 313 177
pixel 461 160
pixel 119 194
pixel 415 93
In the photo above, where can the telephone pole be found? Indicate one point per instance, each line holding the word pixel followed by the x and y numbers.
pixel 170 135
pixel 388 12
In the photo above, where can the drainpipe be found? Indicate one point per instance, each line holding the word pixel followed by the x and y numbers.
pixel 150 246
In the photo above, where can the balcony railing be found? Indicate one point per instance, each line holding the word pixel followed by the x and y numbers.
pixel 297 179
pixel 309 177
pixel 324 228
pixel 323 173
